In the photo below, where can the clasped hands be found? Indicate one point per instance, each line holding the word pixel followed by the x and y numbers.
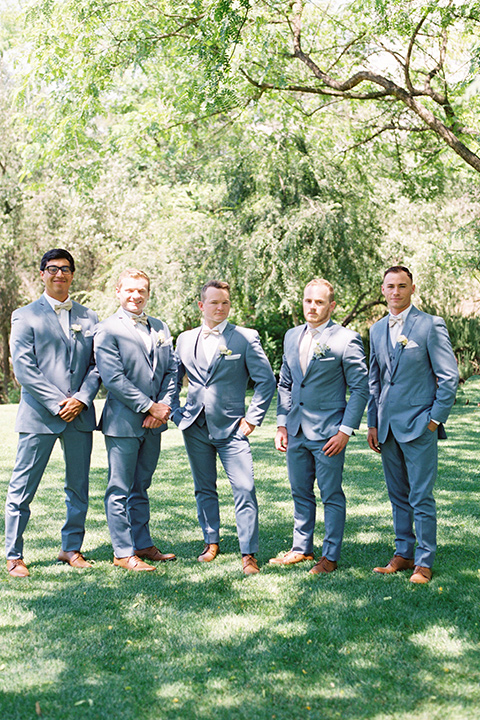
pixel 158 415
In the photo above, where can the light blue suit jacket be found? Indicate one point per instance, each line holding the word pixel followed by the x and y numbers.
pixel 131 376
pixel 316 402
pixel 220 390
pixel 420 381
pixel 51 367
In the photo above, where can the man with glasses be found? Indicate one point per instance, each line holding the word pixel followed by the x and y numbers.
pixel 52 352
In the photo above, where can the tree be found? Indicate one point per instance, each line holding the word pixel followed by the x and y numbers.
pixel 413 65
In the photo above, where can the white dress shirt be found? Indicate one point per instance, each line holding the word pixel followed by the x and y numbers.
pixel 63 316
pixel 212 340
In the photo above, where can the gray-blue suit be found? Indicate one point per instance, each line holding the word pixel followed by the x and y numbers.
pixel 315 406
pixel 50 368
pixel 133 377
pixel 410 385
pixel 209 421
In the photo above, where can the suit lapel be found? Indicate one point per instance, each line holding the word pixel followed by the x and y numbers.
pixel 227 334
pixel 52 318
pixel 323 339
pixel 199 361
pixel 409 324
pixel 128 323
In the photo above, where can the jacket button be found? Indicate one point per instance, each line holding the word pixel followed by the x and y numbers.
pixel 392 384
pixel 302 385
pixel 301 403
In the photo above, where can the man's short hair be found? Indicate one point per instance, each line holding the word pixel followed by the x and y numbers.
pixel 57 254
pixel 398 269
pixel 325 283
pixel 134 273
pixel 217 284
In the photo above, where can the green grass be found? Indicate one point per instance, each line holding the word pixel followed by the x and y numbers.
pixel 202 641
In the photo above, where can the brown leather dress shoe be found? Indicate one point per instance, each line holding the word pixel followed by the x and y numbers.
pixel 74 558
pixel 250 565
pixel 396 564
pixel 290 558
pixel 132 563
pixel 421 575
pixel 17 568
pixel 323 566
pixel 154 554
pixel 209 553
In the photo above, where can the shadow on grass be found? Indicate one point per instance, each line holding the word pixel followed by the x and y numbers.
pixel 202 642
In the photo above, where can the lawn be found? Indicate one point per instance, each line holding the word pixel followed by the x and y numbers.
pixel 202 641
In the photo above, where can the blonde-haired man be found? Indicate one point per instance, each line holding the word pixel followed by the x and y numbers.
pixel 321 359
pixel 136 363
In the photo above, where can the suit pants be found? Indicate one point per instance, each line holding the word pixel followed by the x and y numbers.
pixel 410 470
pixel 33 454
pixel 131 464
pixel 305 460
pixel 236 458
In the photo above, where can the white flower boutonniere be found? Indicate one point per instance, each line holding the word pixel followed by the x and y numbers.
pixel 402 340
pixel 162 340
pixel 75 328
pixel 320 349
pixel 223 350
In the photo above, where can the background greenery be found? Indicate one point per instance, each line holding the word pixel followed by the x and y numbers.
pixel 198 139
pixel 196 641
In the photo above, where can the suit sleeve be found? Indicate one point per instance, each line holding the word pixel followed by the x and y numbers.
pixel 112 371
pixel 284 396
pixel 176 413
pixel 25 365
pixel 263 378
pixel 356 375
pixel 374 386
pixel 168 387
pixel 444 366
pixel 91 382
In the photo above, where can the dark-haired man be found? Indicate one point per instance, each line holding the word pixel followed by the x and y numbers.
pixel 413 381
pixel 218 359
pixel 52 352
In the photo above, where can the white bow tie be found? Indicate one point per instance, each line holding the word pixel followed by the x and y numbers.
pixel 210 331
pixel 395 320
pixel 67 305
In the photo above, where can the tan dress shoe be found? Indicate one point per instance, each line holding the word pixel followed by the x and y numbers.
pixel 323 566
pixel 74 558
pixel 154 554
pixel 421 575
pixel 290 558
pixel 209 553
pixel 17 568
pixel 250 565
pixel 132 563
pixel 396 564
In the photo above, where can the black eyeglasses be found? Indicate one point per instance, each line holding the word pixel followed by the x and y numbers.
pixel 54 269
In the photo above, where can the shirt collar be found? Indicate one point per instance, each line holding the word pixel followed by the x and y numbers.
pixel 403 314
pixel 318 329
pixel 53 301
pixel 221 327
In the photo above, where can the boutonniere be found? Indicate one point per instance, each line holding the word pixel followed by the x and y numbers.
pixel 320 349
pixel 75 328
pixel 223 350
pixel 402 340
pixel 162 340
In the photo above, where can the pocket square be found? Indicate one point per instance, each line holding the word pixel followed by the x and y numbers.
pixel 233 357
pixel 320 359
pixel 411 344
